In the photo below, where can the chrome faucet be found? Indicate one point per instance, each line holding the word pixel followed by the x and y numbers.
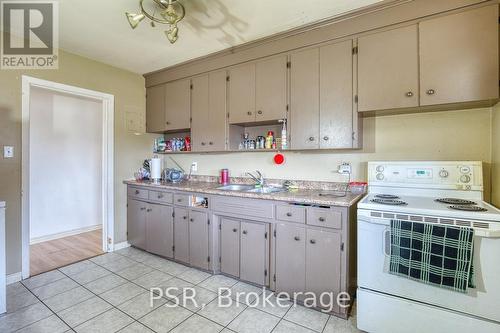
pixel 259 179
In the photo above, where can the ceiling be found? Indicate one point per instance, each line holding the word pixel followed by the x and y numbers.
pixel 98 29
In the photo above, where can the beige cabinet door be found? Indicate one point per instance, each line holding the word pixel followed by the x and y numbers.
pixel 230 246
pixel 160 230
pixel 181 235
pixel 200 113
pixel 459 57
pixel 323 271
pixel 198 239
pixel 304 99
pixel 242 94
pixel 253 253
pixel 336 96
pixel 136 223
pixel 216 125
pixel 270 96
pixel 290 258
pixel 388 70
pixel 155 109
pixel 178 105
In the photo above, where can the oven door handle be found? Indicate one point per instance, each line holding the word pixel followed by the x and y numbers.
pixel 387 243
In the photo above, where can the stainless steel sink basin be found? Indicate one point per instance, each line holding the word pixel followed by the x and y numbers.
pixel 236 187
pixel 267 190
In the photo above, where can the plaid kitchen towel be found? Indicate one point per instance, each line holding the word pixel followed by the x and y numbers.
pixel 433 254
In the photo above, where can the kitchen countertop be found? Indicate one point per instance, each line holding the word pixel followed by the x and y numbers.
pixel 303 196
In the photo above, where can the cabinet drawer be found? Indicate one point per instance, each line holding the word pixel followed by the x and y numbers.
pixel 243 207
pixel 137 193
pixel 181 199
pixel 291 213
pixel 325 217
pixel 163 197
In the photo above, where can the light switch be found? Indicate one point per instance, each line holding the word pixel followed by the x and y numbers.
pixel 8 151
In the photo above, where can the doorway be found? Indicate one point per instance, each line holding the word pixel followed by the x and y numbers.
pixel 67 183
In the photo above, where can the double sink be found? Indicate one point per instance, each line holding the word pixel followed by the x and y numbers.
pixel 251 188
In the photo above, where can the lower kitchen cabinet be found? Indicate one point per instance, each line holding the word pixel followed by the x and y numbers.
pixel 198 239
pixel 136 223
pixel 323 255
pixel 159 230
pixel 181 235
pixel 230 246
pixel 290 258
pixel 253 253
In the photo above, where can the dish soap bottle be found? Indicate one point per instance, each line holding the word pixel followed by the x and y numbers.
pixel 284 143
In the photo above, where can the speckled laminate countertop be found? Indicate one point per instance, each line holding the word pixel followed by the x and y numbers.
pixel 303 196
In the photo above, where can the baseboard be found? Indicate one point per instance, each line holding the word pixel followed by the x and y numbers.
pixel 13 278
pixel 120 246
pixel 64 234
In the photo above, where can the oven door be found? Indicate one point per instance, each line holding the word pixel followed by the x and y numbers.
pixel 373 266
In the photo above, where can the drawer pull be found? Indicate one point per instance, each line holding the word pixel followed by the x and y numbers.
pixel 143 208
pixel 312 241
pixel 297 238
pixel 430 92
pixel 289 214
pixel 179 200
pixel 148 210
pixel 244 232
pixel 234 230
pixel 321 219
pixel 160 196
pixel 137 192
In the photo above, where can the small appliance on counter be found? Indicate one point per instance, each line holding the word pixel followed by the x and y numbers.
pixel 155 167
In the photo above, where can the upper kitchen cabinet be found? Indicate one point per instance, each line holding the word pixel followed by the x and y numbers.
pixel 270 89
pixel 459 57
pixel 208 112
pixel 336 96
pixel 178 105
pixel 388 69
pixel 242 94
pixel 155 109
pixel 257 91
pixel 304 99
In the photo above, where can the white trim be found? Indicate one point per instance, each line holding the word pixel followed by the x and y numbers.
pixel 108 161
pixel 37 240
pixel 120 246
pixel 13 278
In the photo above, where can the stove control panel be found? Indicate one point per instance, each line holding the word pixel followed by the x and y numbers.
pixel 457 175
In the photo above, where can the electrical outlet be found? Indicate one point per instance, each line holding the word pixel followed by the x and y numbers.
pixel 345 168
pixel 8 151
pixel 194 166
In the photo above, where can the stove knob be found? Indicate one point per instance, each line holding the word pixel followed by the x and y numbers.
pixel 380 176
pixel 380 168
pixel 465 178
pixel 444 174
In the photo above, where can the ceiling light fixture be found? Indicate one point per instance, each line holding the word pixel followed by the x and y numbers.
pixel 171 12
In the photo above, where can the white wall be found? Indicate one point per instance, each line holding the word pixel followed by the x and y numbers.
pixel 65 163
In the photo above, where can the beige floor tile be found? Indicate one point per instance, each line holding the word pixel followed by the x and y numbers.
pixel 222 315
pixel 194 276
pixel 119 264
pixel 202 297
pixel 77 267
pixel 254 321
pixel 136 327
pixel 54 288
pixel 122 293
pixel 20 300
pixel 165 318
pixel 23 317
pixel 108 322
pixel 104 284
pixel 106 258
pixel 312 319
pixel 50 324
pixel 90 275
pixel 174 287
pixel 269 303
pixel 141 305
pixel 43 279
pixel 197 323
pixel 244 293
pixel 81 312
pixel 218 281
pixel 135 271
pixel 339 325
pixel 67 299
pixel 285 326
pixel 152 279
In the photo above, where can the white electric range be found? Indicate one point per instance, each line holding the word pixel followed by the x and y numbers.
pixel 445 193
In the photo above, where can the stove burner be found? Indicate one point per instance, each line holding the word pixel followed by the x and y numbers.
pixel 391 202
pixel 469 208
pixel 386 196
pixel 454 201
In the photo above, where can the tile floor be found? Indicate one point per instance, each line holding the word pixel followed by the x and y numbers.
pixel 110 293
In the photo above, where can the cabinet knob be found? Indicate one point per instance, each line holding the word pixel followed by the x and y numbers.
pixel 160 196
pixel 148 210
pixel 143 208
pixel 210 143
pixel 234 230
pixel 297 238
pixel 192 220
pixel 259 112
pixel 325 138
pixel 203 143
pixel 311 138
pixel 409 94
pixel 136 191
pixel 184 217
pixel 168 122
pixel 249 113
pixel 312 241
pixel 288 214
pixel 431 92
pixel 321 219
pixel 179 200
pixel 244 232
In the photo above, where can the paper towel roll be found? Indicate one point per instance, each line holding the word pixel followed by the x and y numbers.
pixel 155 168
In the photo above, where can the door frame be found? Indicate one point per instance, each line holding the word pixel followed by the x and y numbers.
pixel 107 161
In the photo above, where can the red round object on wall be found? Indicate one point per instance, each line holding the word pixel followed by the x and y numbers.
pixel 279 158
